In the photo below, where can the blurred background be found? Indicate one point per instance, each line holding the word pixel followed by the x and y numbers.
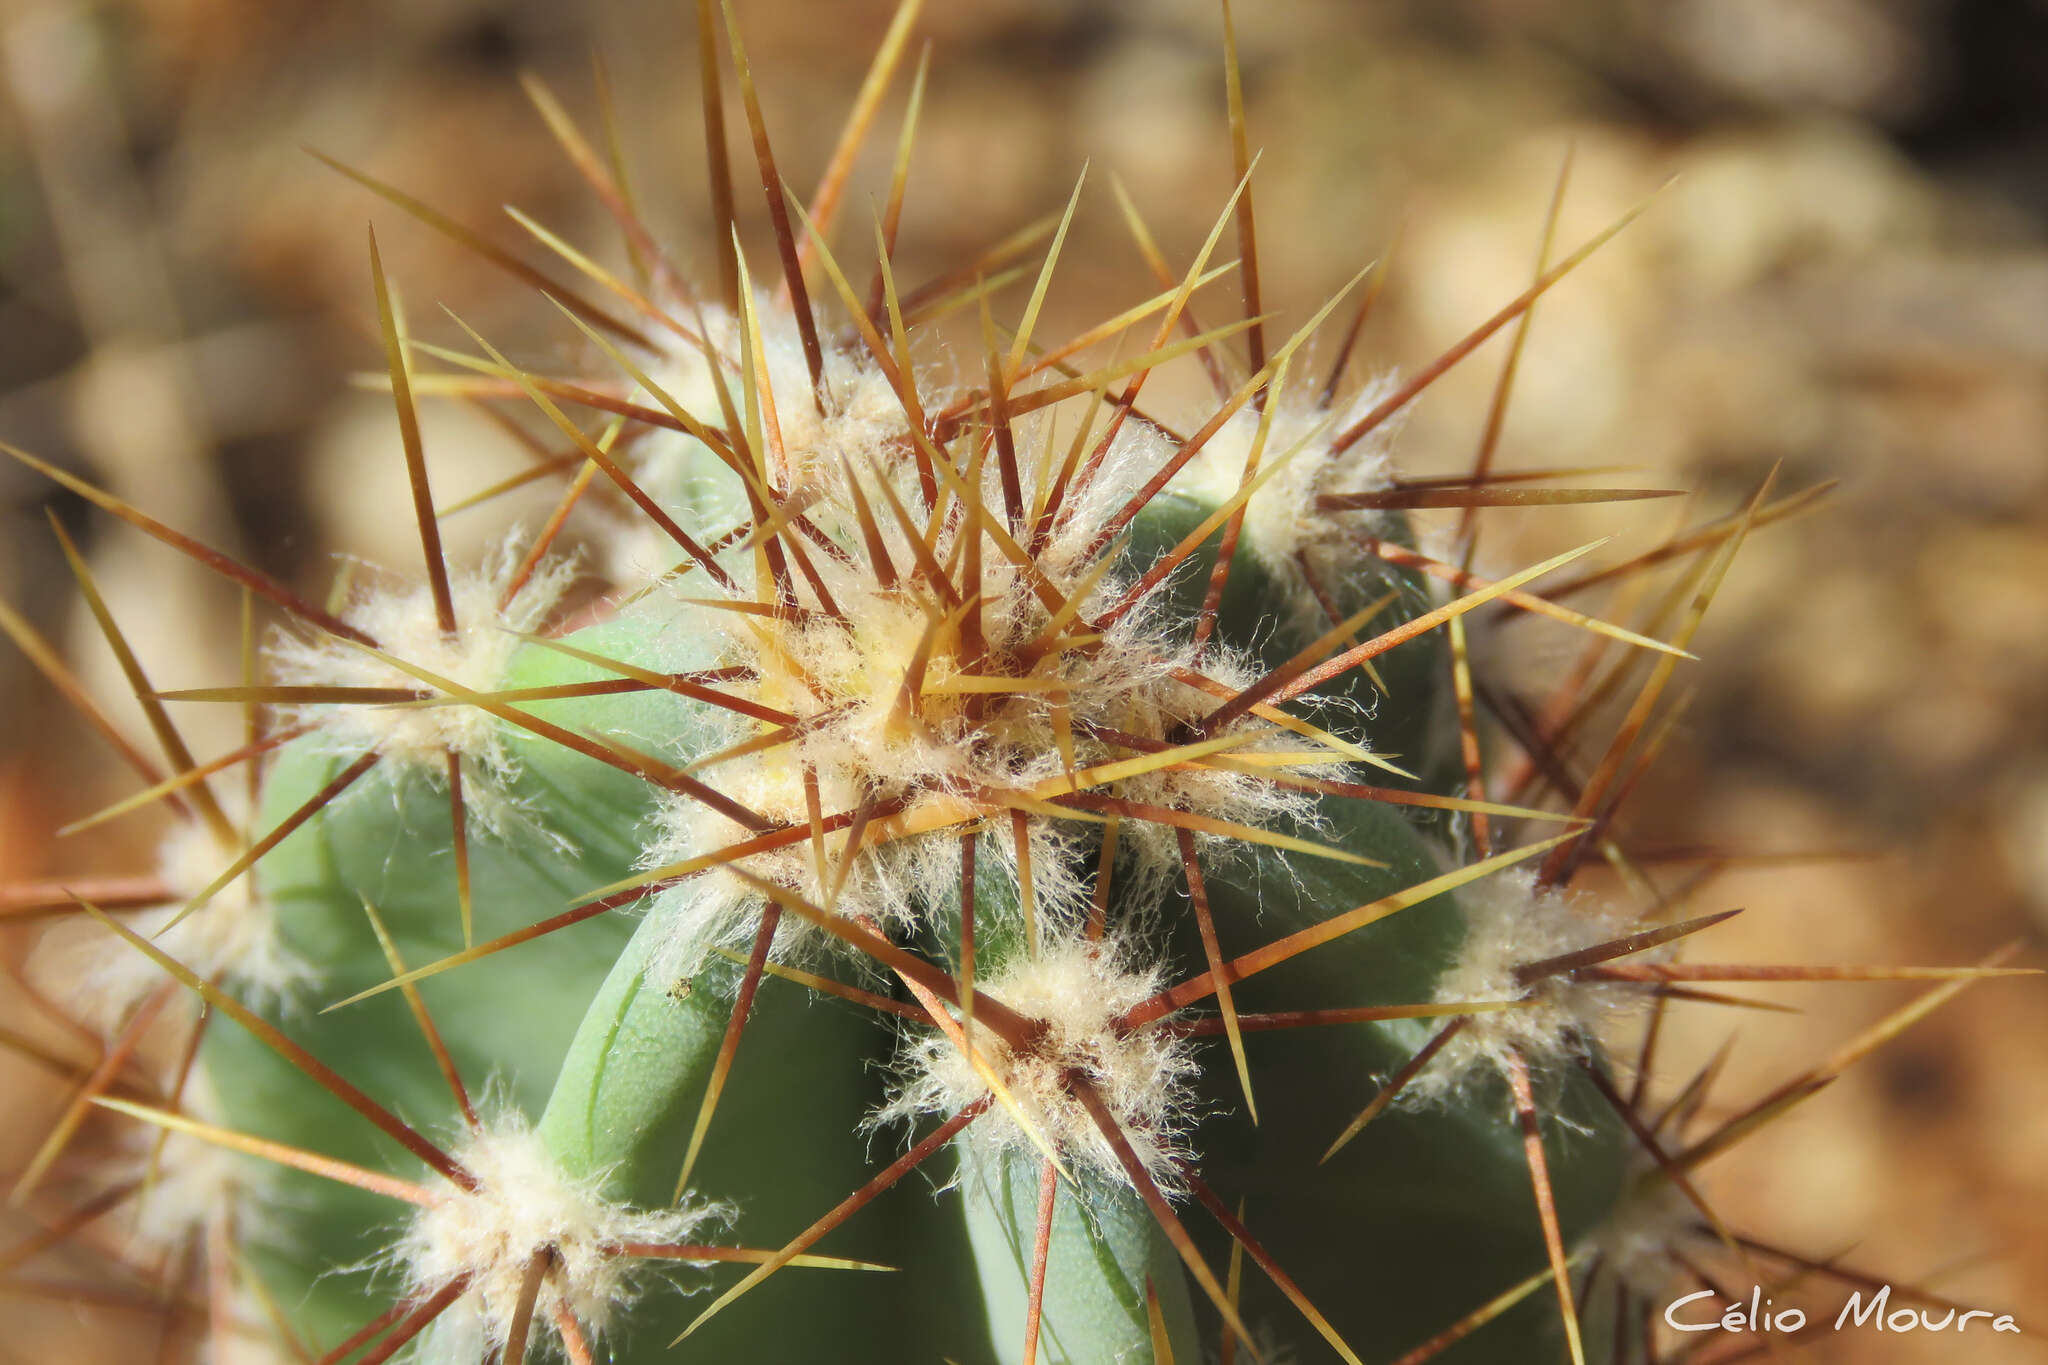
pixel 1849 277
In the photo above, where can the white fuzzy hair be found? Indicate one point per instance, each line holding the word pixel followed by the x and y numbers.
pixel 1510 923
pixel 233 938
pixel 524 1204
pixel 476 657
pixel 842 675
pixel 1077 989
pixel 1283 521
pixel 188 1184
pixel 1639 1234
pixel 861 420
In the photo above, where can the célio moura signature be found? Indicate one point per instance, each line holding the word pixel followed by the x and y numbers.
pixel 1689 1314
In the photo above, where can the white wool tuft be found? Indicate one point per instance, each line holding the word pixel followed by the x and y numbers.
pixel 524 1204
pixel 1508 924
pixel 192 1183
pixel 186 1185
pixel 1282 520
pixel 843 679
pixel 861 421
pixel 234 937
pixel 1637 1238
pixel 475 657
pixel 1077 989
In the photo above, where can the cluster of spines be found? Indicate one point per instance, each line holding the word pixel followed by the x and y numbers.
pixel 992 502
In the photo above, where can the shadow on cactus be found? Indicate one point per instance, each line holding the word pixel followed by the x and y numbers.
pixel 995 871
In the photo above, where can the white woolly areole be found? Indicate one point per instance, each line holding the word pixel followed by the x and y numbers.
pixel 189 1184
pixel 842 675
pixel 1283 519
pixel 1509 923
pixel 184 1185
pixel 1076 989
pixel 234 937
pixel 1637 1238
pixel 525 1204
pixel 861 421
pixel 405 625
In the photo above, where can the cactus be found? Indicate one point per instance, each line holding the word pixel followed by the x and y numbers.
pixel 994 856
